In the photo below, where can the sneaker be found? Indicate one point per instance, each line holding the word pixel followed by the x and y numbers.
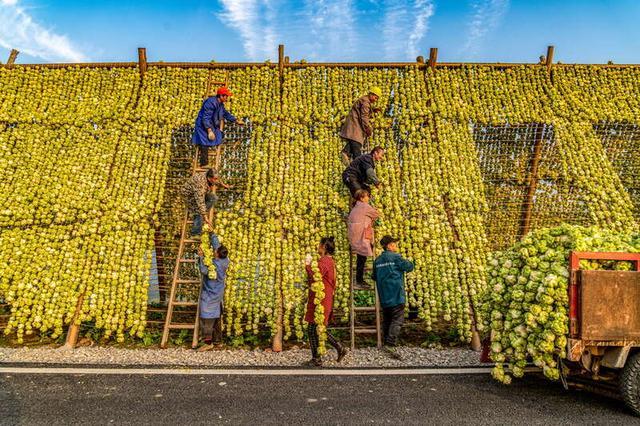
pixel 392 352
pixel 342 353
pixel 361 286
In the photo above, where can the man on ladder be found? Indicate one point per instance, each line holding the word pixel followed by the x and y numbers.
pixel 361 173
pixel 199 194
pixel 357 126
pixel 208 127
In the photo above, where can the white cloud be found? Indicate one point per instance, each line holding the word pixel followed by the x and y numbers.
pixel 404 27
pixel 254 21
pixel 487 15
pixel 18 30
pixel 332 31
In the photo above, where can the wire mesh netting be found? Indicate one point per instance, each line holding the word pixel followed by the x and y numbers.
pixel 621 142
pixel 232 157
pixel 524 182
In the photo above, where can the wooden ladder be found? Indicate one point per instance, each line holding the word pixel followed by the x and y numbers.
pixel 354 310
pixel 185 240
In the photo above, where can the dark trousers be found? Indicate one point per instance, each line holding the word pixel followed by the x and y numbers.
pixel 314 342
pixel 392 320
pixel 211 330
pixel 360 262
pixel 353 184
pixel 353 149
pixel 203 154
pixel 198 220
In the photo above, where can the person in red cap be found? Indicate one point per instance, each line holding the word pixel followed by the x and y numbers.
pixel 207 131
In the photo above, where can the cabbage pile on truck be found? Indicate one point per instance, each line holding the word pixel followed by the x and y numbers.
pixel 525 306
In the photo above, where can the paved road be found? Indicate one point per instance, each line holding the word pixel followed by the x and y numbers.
pixel 187 399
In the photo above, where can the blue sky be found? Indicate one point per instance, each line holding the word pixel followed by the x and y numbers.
pixel 587 31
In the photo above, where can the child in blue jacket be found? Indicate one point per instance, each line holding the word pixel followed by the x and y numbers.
pixel 388 272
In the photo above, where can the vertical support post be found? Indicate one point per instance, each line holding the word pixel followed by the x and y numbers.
pixel 74 328
pixel 12 57
pixel 549 61
pixel 142 61
pixel 433 57
pixel 476 345
pixel 527 201
pixel 159 243
pixel 420 59
pixel 276 345
pixel 281 59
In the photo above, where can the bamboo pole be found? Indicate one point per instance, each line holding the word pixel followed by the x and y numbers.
pixel 142 61
pixel 276 345
pixel 527 201
pixel 12 57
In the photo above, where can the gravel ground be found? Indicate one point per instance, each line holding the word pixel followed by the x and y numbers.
pixel 366 357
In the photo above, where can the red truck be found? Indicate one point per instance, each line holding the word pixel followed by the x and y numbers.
pixel 604 327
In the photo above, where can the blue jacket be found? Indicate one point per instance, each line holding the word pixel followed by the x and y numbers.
pixel 210 117
pixel 213 289
pixel 388 273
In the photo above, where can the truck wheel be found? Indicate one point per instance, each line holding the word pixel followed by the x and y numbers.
pixel 630 383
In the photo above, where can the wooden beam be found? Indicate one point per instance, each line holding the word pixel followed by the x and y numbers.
pixel 12 57
pixel 433 57
pixel 74 327
pixel 281 59
pixel 142 61
pixel 420 59
pixel 549 62
pixel 286 60
pixel 527 201
pixel 476 345
pixel 276 344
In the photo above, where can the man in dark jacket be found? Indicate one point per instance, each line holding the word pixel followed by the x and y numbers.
pixel 208 128
pixel 388 272
pixel 361 173
pixel 357 126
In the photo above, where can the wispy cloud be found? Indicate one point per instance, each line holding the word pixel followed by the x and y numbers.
pixel 332 29
pixel 487 15
pixel 18 30
pixel 254 21
pixel 404 27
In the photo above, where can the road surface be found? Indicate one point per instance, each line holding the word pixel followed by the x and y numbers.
pixel 62 399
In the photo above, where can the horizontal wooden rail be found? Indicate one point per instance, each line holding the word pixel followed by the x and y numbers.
pixel 231 65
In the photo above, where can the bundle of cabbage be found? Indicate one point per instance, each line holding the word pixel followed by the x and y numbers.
pixel 526 303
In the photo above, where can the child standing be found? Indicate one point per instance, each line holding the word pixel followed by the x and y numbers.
pixel 388 273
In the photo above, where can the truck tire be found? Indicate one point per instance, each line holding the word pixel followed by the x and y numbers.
pixel 630 383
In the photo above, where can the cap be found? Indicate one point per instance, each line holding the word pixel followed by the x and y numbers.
pixel 386 240
pixel 224 91
pixel 376 91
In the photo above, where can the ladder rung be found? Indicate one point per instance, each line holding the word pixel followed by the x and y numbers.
pixel 365 330
pixel 190 240
pixel 188 281
pixel 185 303
pixel 182 326
pixel 364 308
pixel 188 260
